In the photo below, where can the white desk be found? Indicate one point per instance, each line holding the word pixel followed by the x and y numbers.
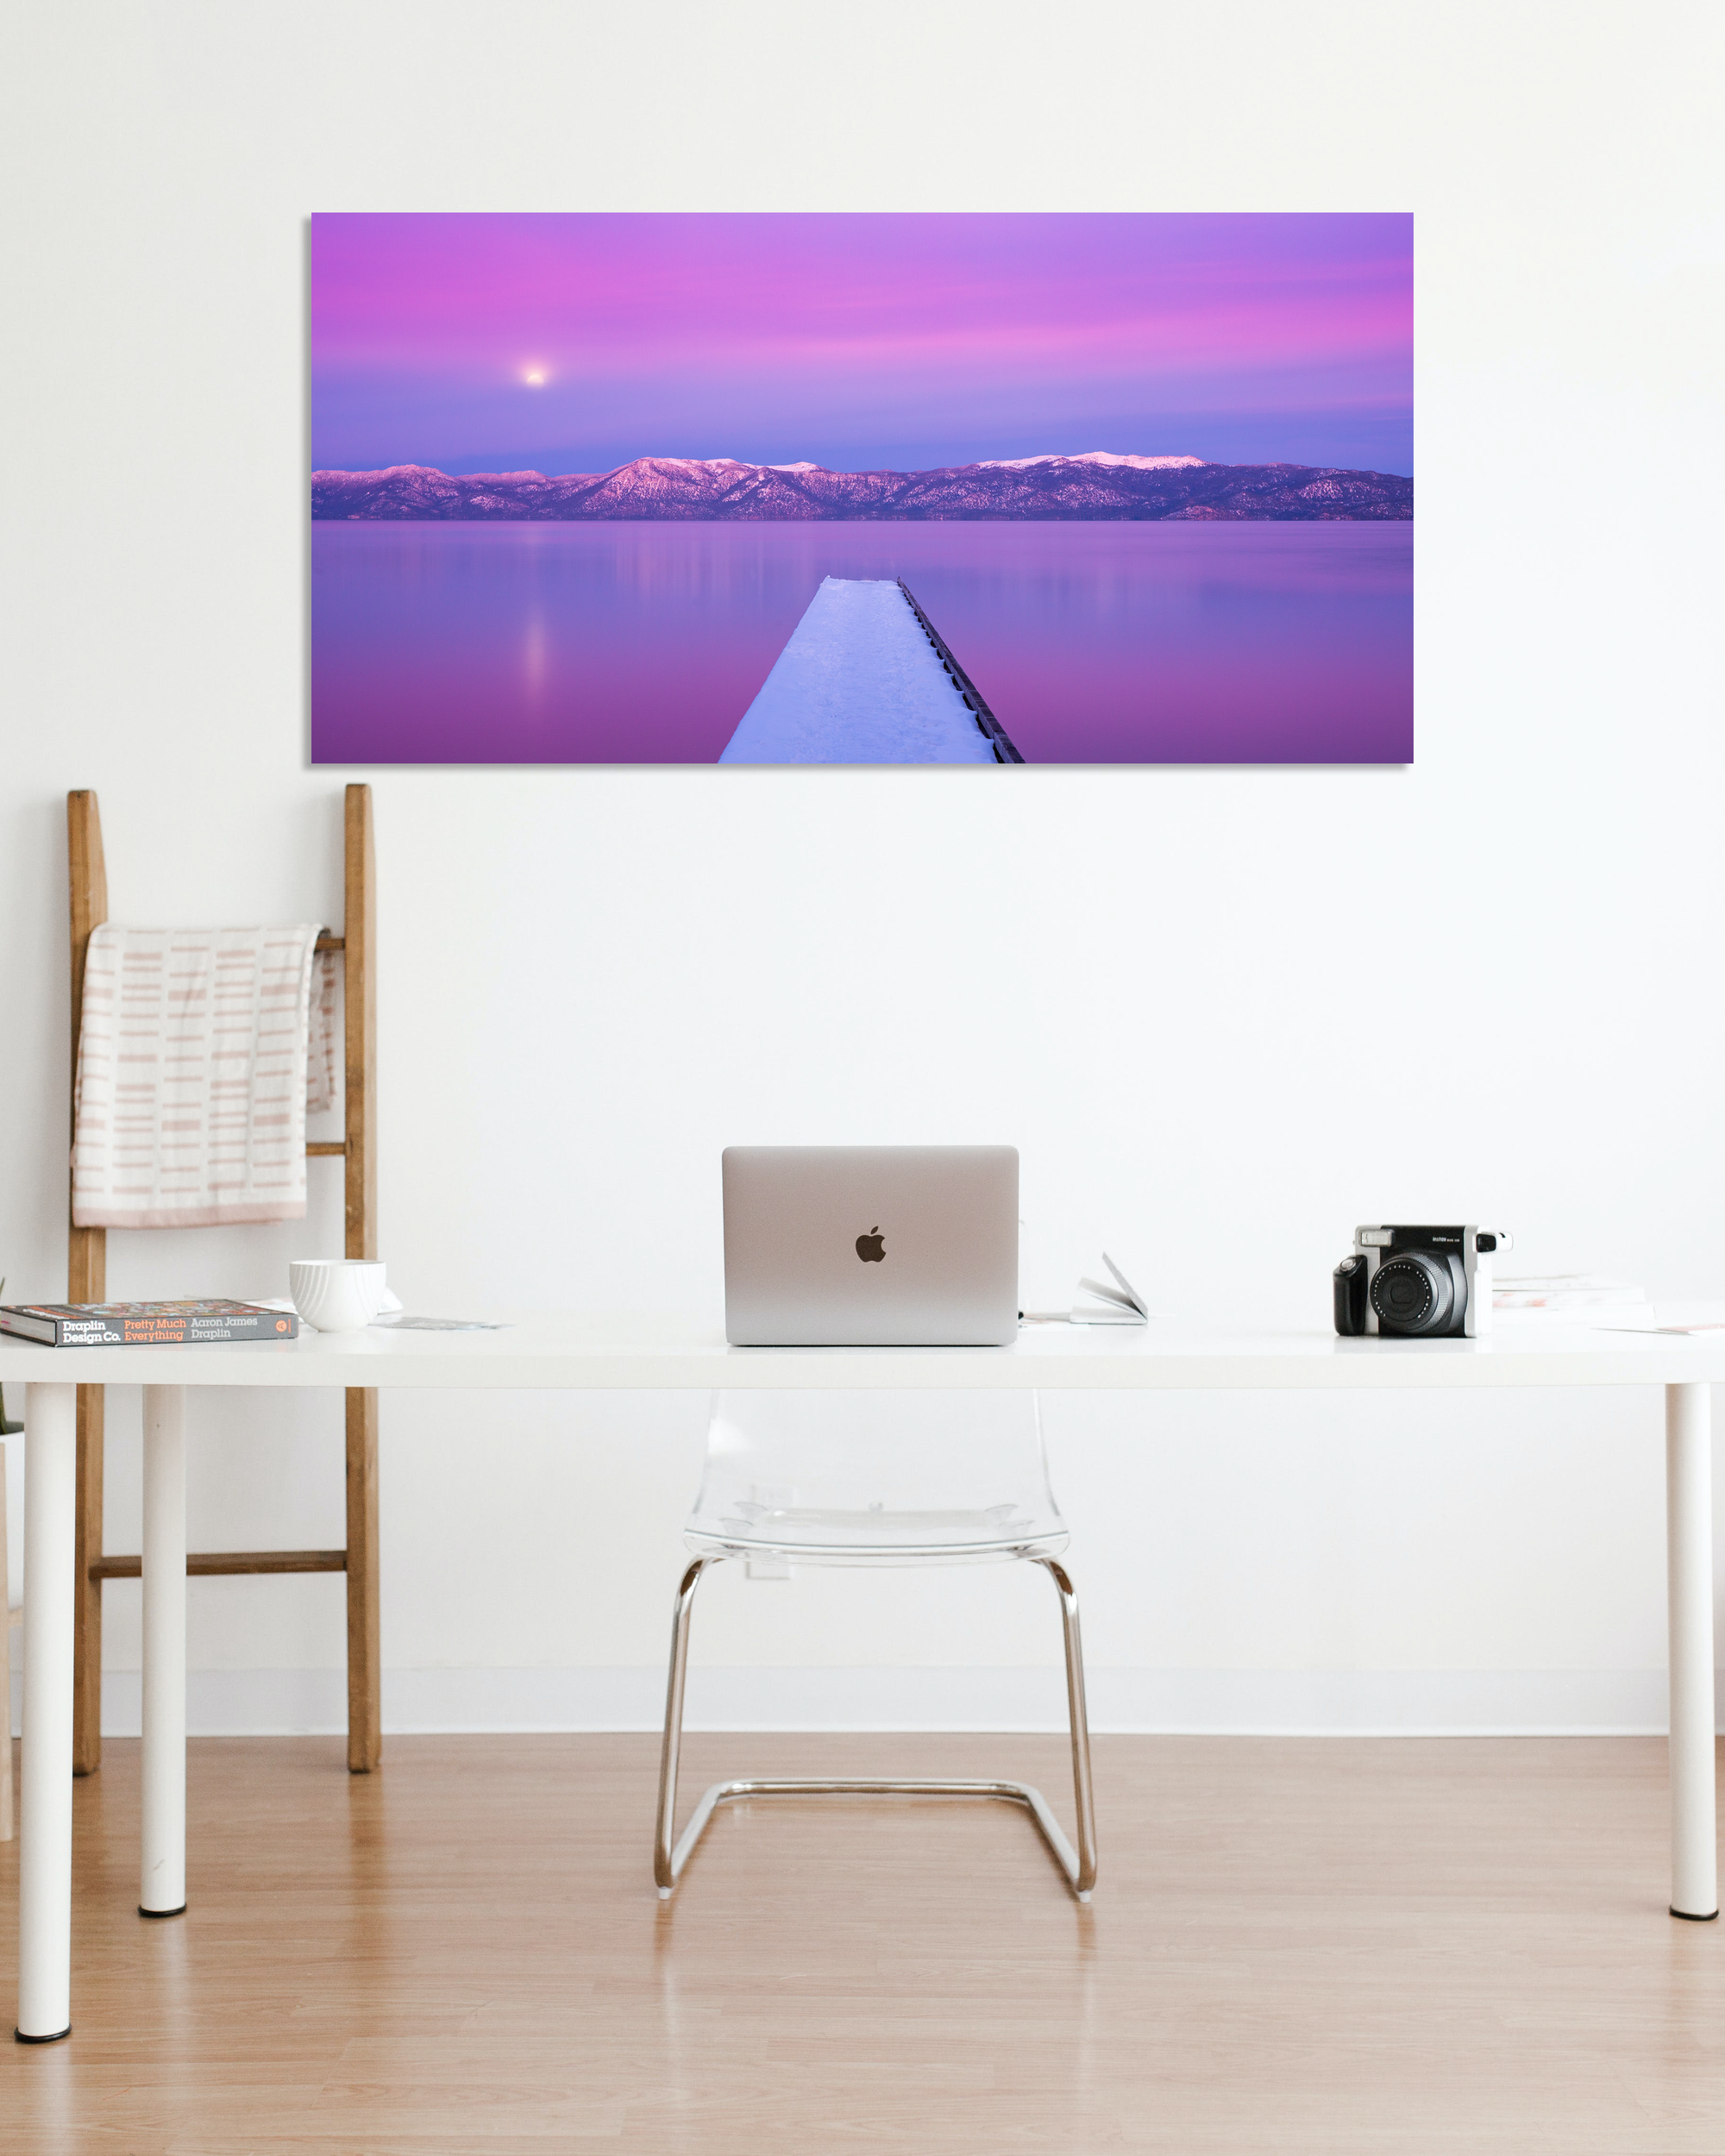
pixel 663 1355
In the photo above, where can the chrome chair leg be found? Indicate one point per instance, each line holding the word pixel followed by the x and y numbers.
pixel 1079 1866
pixel 1078 1720
pixel 665 1867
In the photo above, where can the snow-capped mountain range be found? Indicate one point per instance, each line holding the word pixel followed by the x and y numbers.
pixel 1088 456
pixel 1098 485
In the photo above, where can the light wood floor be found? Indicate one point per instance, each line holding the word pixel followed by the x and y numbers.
pixel 1296 1945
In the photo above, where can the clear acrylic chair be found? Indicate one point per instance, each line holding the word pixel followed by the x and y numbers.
pixel 878 1478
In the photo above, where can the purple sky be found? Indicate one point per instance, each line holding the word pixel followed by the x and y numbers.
pixel 567 342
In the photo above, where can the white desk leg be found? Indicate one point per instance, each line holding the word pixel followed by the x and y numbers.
pixel 162 1892
pixel 45 1839
pixel 1689 1580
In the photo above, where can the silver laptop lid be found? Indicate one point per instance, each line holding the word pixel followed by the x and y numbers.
pixel 871 1245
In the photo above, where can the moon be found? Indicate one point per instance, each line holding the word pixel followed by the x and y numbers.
pixel 534 378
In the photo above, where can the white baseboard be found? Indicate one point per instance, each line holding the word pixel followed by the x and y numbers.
pixel 1355 1703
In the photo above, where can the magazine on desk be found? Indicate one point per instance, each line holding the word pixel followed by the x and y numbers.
pixel 1121 1304
pixel 144 1324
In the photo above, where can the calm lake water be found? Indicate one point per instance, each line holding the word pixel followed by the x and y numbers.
pixel 646 642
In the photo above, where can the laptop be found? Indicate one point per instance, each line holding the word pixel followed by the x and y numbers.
pixel 871 1245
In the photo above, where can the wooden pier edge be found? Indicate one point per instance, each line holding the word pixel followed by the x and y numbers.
pixel 987 724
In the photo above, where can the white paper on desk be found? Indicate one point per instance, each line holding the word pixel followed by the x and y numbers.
pixel 405 1321
pixel 1712 1324
pixel 1119 1305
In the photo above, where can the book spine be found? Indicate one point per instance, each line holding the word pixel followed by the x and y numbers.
pixel 267 1325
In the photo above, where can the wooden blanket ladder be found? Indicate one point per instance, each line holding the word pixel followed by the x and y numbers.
pixel 87 1271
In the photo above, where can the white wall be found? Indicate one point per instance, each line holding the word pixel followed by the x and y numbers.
pixel 1224 1014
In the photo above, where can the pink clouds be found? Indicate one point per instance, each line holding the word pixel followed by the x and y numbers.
pixel 656 334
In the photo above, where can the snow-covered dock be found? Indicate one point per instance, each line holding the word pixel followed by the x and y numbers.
pixel 859 682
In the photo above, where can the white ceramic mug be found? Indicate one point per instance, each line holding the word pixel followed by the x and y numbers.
pixel 337 1294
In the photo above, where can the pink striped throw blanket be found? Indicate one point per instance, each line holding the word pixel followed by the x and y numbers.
pixel 320 1047
pixel 191 1095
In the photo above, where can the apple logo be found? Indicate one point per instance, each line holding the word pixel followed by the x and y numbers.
pixel 871 1248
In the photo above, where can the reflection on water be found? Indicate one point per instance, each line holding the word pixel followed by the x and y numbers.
pixel 645 642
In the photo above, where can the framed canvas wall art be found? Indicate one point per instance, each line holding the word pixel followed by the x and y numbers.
pixel 842 489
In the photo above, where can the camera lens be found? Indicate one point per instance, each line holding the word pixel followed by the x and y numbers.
pixel 1412 1293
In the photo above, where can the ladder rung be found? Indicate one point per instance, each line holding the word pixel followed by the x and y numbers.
pixel 231 1561
pixel 324 1148
pixel 330 943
